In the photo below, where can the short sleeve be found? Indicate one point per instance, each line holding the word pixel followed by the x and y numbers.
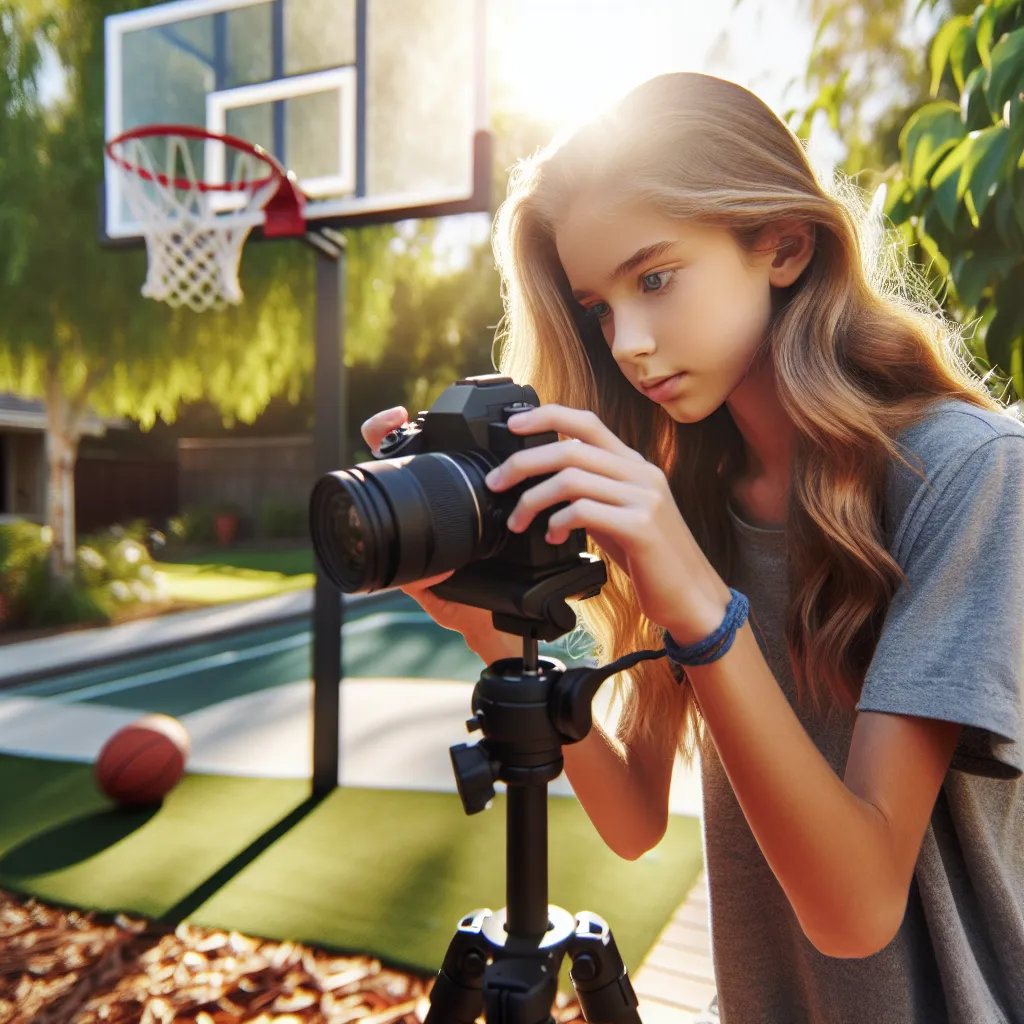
pixel 952 643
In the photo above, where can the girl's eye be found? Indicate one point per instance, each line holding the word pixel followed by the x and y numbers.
pixel 657 281
pixel 600 310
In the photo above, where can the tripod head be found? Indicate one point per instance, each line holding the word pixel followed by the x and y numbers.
pixel 529 708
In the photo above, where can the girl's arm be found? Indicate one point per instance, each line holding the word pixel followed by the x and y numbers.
pixel 843 850
pixel 624 790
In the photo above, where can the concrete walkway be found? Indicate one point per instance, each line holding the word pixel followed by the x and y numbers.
pixel 84 648
pixel 395 733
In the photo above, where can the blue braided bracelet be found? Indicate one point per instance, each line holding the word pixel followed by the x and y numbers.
pixel 711 648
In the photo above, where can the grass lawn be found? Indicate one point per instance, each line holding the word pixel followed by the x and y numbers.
pixel 289 561
pixel 382 872
pixel 222 575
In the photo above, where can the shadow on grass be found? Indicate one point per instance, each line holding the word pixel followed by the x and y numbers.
pixel 72 842
pixel 411 934
pixel 192 901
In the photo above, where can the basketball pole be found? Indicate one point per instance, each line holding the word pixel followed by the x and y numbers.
pixel 330 450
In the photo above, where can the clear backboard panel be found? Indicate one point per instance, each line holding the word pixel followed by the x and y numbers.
pixel 377 106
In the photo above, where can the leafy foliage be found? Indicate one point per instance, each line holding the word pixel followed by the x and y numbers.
pixel 867 73
pixel 112 569
pixel 959 190
pixel 73 328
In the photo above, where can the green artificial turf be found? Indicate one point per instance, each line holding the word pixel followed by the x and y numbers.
pixel 222 584
pixel 383 872
pixel 290 561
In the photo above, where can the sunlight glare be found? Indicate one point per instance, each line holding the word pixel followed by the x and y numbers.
pixel 564 60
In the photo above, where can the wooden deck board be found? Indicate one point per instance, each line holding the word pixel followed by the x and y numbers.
pixel 676 981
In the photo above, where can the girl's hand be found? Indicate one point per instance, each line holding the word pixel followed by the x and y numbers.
pixel 624 502
pixel 475 624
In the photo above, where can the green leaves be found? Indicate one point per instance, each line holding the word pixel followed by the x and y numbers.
pixel 988 161
pixel 1017 197
pixel 935 256
pixel 963 55
pixel 829 100
pixel 973 272
pixel 962 182
pixel 1006 70
pixel 928 135
pixel 1006 331
pixel 945 185
pixel 957 196
pixel 985 30
pixel 1005 217
pixel 942 48
pixel 974 110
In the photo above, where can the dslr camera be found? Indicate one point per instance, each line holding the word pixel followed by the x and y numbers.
pixel 421 508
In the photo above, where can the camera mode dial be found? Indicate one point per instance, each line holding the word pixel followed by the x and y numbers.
pixel 397 437
pixel 512 408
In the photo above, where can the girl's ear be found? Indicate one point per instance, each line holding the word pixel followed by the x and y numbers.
pixel 793 243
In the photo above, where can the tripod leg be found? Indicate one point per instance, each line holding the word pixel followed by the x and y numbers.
pixel 598 974
pixel 457 996
pixel 521 989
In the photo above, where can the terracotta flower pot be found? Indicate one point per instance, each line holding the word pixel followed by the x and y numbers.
pixel 226 525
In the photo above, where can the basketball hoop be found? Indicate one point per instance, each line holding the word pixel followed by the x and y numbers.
pixel 195 229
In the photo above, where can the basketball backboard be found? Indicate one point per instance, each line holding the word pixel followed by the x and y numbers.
pixel 377 106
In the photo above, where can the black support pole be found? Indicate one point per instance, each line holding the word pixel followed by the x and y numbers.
pixel 330 448
pixel 526 860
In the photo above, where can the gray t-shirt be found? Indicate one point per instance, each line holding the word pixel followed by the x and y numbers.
pixel 952 647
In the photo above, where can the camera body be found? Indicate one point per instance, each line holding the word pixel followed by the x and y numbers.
pixel 471 416
pixel 422 508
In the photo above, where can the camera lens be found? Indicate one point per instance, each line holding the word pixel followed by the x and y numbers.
pixel 382 524
pixel 347 526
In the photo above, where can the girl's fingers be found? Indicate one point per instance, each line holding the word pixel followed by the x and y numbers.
pixel 420 592
pixel 378 426
pixel 412 589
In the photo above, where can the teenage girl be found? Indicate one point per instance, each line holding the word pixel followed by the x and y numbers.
pixel 805 494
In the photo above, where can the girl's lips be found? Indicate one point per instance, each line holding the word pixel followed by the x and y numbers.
pixel 664 390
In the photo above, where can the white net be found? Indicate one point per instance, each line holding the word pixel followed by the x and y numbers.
pixel 194 235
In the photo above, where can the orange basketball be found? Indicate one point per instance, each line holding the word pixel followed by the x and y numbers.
pixel 141 763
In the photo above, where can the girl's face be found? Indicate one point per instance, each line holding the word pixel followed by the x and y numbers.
pixel 673 298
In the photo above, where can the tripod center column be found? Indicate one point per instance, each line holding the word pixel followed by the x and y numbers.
pixel 526 861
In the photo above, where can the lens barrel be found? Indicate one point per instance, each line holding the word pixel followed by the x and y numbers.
pixel 381 524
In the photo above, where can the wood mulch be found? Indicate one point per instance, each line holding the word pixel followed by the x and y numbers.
pixel 60 966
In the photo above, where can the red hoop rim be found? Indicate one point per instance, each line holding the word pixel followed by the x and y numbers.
pixel 192 132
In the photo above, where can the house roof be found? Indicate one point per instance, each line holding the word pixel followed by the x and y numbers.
pixel 30 414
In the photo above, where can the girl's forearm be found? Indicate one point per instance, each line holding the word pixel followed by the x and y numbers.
pixel 828 848
pixel 613 791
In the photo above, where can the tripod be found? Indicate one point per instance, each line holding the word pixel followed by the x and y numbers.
pixel 507 964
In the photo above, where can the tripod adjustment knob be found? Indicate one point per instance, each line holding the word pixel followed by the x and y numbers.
pixel 475 723
pixel 474 775
pixel 584 968
pixel 473 965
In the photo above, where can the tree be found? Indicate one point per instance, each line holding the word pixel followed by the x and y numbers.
pixel 949 156
pixel 73 327
pixel 21 118
pixel 867 72
pixel 959 193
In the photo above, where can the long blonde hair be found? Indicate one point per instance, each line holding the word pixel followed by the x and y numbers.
pixel 857 354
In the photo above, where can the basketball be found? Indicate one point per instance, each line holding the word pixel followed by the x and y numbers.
pixel 141 763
